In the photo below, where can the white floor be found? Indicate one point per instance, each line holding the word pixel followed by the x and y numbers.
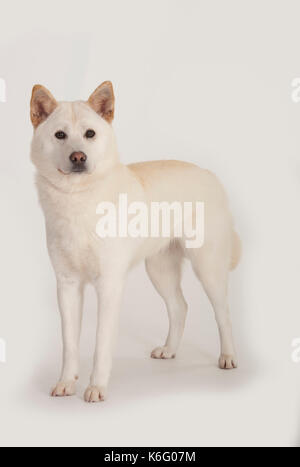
pixel 183 402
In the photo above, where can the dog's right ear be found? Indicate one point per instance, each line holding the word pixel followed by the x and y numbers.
pixel 42 105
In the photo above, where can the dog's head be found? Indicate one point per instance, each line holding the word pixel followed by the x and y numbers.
pixel 72 140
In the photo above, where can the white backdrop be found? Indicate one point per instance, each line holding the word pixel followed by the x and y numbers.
pixel 202 81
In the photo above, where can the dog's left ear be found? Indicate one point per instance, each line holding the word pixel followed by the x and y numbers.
pixel 42 105
pixel 102 101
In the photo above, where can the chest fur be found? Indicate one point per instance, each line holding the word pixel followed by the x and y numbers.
pixel 73 244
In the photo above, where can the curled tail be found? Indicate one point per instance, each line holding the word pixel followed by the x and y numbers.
pixel 236 251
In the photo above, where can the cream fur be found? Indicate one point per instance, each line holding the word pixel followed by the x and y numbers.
pixel 79 256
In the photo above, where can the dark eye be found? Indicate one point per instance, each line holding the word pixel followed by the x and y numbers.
pixel 60 135
pixel 90 134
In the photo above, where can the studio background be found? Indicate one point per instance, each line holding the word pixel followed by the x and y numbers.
pixel 203 81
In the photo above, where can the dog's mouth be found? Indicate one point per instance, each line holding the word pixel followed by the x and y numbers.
pixel 78 170
pixel 75 170
pixel 62 172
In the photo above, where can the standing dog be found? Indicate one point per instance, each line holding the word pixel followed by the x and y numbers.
pixel 75 154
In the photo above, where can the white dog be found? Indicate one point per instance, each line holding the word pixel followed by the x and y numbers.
pixel 76 157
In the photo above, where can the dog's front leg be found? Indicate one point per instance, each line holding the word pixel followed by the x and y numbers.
pixel 109 292
pixel 70 300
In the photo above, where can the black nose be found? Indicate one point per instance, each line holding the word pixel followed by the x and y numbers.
pixel 78 160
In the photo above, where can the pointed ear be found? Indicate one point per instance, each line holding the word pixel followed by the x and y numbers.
pixel 42 105
pixel 102 101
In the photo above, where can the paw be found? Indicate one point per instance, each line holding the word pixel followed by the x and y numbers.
pixel 64 388
pixel 95 394
pixel 162 353
pixel 228 362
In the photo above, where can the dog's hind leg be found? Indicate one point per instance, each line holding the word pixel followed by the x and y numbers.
pixel 210 264
pixel 164 270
